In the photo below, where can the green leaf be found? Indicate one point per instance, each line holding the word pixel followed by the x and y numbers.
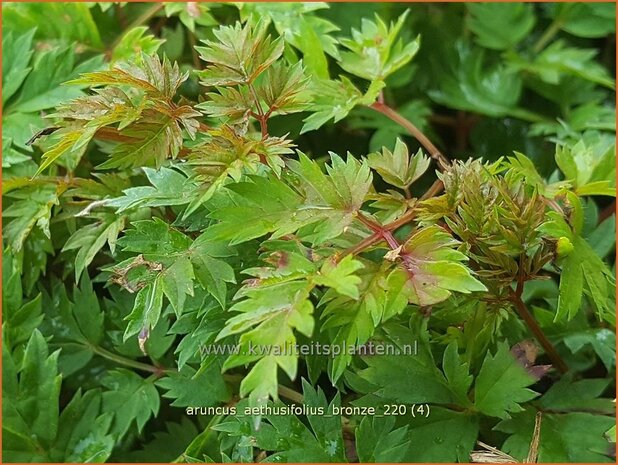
pixel 375 51
pixel 333 100
pixel 340 276
pixel 210 271
pixel 299 27
pixel 355 318
pixel 377 440
pixel 178 282
pixel 397 167
pixel 165 446
pixel 274 311
pixel 469 86
pixel 457 373
pixel 602 340
pixel 90 239
pixel 230 154
pixel 43 90
pixel 591 170
pixel 169 187
pixel 582 270
pixel 203 388
pixel 283 88
pixel 19 318
pixel 558 60
pixel 501 385
pixel 32 207
pixel 288 437
pixel 172 262
pixel 146 311
pixel 570 437
pixel 274 304
pixel 268 205
pixel 239 55
pixel 70 22
pixel 30 401
pixel 17 51
pixel 444 436
pixel 500 27
pixel 135 42
pixel 584 394
pixel 82 432
pixel 155 238
pixel 590 20
pixel 418 380
pixel 129 398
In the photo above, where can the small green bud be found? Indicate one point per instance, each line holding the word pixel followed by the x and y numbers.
pixel 565 247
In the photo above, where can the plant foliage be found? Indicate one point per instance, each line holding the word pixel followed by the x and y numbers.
pixel 197 197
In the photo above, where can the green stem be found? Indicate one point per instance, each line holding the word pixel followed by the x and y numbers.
pixel 119 359
pixel 290 394
pixel 548 35
pixel 127 361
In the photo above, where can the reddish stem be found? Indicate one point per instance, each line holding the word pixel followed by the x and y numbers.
pixel 412 129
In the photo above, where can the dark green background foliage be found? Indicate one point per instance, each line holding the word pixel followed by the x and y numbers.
pixel 182 176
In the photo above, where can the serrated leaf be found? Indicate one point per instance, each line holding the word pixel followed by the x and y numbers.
pixel 90 239
pixel 558 60
pixel 570 437
pixel 269 205
pixel 299 27
pixel 501 385
pixel 283 88
pixel 457 374
pixel 333 100
pixel 377 440
pixel 30 401
pixel 375 51
pixel 189 388
pixel 134 42
pixel 166 445
pixel 500 27
pixel 33 207
pixel 589 20
pixel 177 282
pixel 15 59
pixel 431 268
pixel 19 318
pixel 82 431
pixel 239 55
pixel 158 78
pixel 397 167
pixel 470 87
pixel 169 187
pixel 146 311
pixel 341 276
pixel 418 379
pixel 130 398
pixel 228 154
pixel 355 320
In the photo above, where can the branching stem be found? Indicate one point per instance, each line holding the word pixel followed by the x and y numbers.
pixel 261 116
